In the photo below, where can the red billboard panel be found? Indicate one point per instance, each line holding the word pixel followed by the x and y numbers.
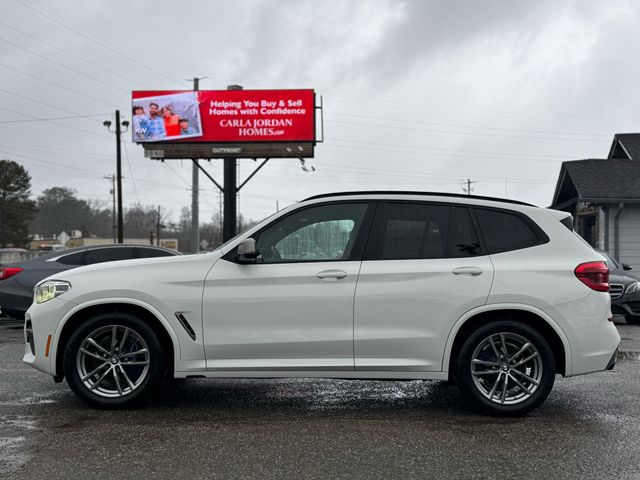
pixel 217 116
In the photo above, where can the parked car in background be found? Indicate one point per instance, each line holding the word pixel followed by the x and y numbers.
pixel 624 289
pixel 11 255
pixel 18 278
pixel 497 295
pixel 56 247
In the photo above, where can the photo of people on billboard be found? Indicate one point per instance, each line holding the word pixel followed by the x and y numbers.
pixel 166 117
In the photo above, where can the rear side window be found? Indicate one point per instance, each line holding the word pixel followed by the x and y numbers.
pixel 421 231
pixel 503 231
pixel 72 259
pixel 100 255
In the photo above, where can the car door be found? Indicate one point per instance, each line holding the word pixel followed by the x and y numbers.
pixel 292 308
pixel 423 268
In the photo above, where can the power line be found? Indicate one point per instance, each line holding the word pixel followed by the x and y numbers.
pixel 479 127
pixel 90 38
pixel 188 184
pixel 449 132
pixel 447 151
pixel 404 152
pixel 412 106
pixel 77 72
pixel 48 82
pixel 53 118
pixel 54 123
pixel 40 102
pixel 126 154
pixel 77 57
pixel 138 38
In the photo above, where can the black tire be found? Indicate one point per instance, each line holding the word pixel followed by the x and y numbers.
pixel 144 377
pixel 475 379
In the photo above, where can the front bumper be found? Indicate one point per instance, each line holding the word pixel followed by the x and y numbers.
pixel 41 323
pixel 627 305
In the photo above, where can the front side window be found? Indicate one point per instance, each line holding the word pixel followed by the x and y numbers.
pixel 322 233
pixel 420 230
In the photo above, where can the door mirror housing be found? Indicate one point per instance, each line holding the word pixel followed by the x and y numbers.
pixel 247 252
pixel 626 266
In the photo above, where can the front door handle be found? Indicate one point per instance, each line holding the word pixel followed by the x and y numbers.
pixel 467 271
pixel 331 274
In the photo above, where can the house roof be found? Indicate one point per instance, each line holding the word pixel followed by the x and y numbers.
pixel 625 146
pixel 598 181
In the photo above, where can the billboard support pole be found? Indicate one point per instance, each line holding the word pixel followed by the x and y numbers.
pixel 230 205
pixel 229 226
pixel 252 174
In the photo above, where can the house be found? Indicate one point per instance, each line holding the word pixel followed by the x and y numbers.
pixel 603 195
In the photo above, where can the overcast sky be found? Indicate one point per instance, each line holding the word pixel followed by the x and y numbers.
pixel 418 95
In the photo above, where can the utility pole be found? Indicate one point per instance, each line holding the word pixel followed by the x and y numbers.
pixel 113 211
pixel 119 175
pixel 195 211
pixel 118 131
pixel 468 189
pixel 158 227
pixel 230 191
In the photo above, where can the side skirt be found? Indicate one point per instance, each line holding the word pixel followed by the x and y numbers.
pixel 339 374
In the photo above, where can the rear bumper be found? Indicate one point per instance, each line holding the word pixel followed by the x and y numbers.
pixel 14 305
pixel 593 340
pixel 612 362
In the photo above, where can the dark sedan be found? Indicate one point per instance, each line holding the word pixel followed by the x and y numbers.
pixel 18 279
pixel 624 289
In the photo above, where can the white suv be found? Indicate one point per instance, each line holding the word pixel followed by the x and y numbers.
pixel 497 295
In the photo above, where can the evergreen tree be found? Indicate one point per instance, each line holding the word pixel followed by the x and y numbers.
pixel 16 209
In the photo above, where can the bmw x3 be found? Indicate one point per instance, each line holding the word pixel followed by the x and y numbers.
pixel 497 296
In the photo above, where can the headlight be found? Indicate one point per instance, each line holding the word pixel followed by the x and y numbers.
pixel 51 289
pixel 633 288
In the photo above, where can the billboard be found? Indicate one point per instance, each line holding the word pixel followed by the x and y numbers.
pixel 223 116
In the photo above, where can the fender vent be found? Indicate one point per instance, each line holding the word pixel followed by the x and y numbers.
pixel 185 324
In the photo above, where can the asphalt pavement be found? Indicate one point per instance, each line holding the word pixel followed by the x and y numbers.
pixel 206 428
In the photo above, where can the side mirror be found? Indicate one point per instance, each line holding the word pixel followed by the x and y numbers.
pixel 247 252
pixel 626 266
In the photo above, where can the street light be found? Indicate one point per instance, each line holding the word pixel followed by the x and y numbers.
pixel 118 131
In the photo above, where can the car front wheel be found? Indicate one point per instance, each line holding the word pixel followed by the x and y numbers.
pixel 114 360
pixel 506 368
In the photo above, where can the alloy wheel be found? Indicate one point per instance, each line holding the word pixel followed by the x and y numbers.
pixel 113 361
pixel 506 368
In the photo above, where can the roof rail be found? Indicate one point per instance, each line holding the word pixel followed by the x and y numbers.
pixel 431 194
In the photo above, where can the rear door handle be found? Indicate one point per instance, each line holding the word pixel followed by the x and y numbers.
pixel 331 274
pixel 467 271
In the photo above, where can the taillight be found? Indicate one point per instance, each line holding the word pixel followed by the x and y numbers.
pixel 594 275
pixel 6 272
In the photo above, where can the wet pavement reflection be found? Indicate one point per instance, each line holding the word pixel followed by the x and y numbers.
pixel 308 428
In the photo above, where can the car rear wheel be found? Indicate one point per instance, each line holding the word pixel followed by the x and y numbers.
pixel 506 368
pixel 114 360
